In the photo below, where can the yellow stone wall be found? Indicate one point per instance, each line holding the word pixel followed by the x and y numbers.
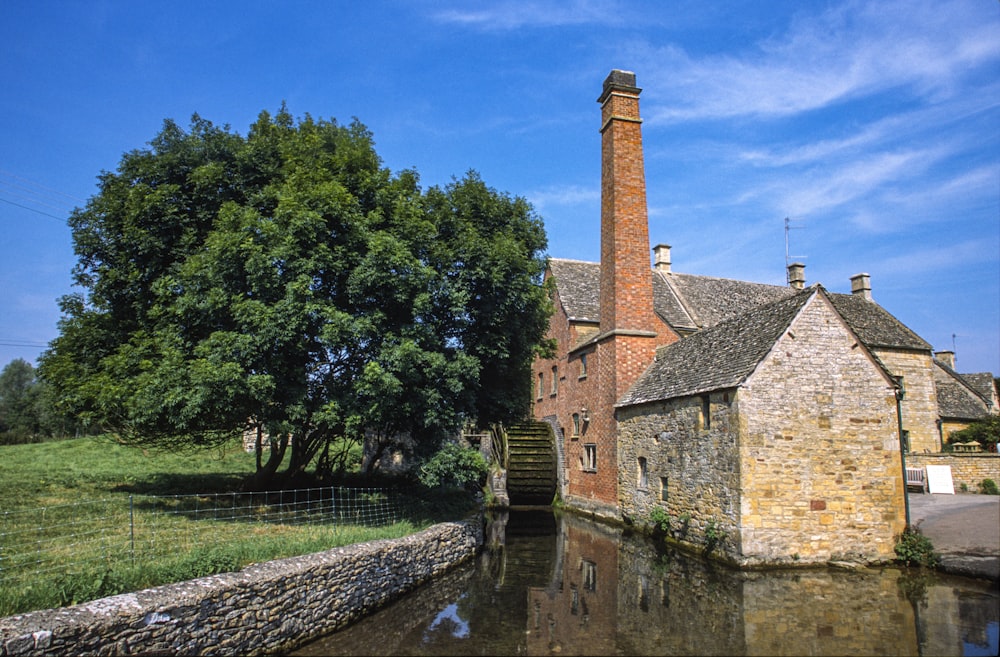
pixel 799 465
pixel 968 469
pixel 819 452
pixel 919 406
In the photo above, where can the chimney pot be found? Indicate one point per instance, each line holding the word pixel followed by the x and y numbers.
pixel 661 258
pixel 797 275
pixel 619 80
pixel 946 357
pixel 861 284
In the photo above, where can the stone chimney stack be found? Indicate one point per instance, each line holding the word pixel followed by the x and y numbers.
pixel 661 257
pixel 946 357
pixel 626 277
pixel 797 275
pixel 861 284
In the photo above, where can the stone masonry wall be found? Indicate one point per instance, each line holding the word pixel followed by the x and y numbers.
pixel 800 465
pixel 968 469
pixel 919 407
pixel 820 453
pixel 265 608
pixel 691 472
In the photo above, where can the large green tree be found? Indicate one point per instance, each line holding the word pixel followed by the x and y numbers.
pixel 287 281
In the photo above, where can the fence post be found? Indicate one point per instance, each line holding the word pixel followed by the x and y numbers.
pixel 131 528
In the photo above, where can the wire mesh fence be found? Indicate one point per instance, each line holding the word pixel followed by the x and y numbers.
pixel 100 534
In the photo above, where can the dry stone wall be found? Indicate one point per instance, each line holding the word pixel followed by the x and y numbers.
pixel 968 469
pixel 262 609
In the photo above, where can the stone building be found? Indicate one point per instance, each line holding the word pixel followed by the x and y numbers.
pixel 773 434
pixel 962 398
pixel 770 414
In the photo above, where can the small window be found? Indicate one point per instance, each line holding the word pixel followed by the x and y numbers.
pixel 706 412
pixel 643 474
pixel 590 458
pixel 576 425
pixel 583 366
pixel 541 384
pixel 589 569
pixel 663 488
pixel 643 593
pixel 555 379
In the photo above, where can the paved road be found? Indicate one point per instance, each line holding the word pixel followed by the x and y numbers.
pixel 964 529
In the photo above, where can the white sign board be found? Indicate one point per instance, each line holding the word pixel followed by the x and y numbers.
pixel 939 479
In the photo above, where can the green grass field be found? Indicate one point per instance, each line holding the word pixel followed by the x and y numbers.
pixel 85 518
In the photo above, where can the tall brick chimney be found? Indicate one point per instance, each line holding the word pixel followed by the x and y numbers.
pixel 626 281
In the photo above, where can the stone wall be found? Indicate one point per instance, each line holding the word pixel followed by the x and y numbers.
pixel 919 407
pixel 799 465
pixel 820 453
pixel 263 609
pixel 968 469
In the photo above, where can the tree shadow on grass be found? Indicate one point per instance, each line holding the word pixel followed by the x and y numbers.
pixel 170 483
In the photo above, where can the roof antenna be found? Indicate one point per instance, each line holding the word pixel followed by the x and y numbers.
pixel 788 258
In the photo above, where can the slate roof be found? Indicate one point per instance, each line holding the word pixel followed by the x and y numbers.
pixel 689 302
pixel 957 399
pixel 722 356
pixel 875 326
pixel 579 286
pixel 982 382
pixel 709 300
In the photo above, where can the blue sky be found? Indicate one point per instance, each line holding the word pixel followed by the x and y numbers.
pixel 874 127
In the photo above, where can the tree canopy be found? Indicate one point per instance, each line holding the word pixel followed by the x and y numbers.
pixel 287 281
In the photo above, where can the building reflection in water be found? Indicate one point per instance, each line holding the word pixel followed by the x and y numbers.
pixel 547 585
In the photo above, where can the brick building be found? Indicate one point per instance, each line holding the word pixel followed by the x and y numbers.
pixel 766 413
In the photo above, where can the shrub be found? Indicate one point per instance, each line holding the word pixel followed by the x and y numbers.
pixel 912 547
pixel 714 535
pixel 660 519
pixel 989 487
pixel 454 465
pixel 986 432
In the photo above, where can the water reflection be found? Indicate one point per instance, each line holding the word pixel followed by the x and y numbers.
pixel 549 585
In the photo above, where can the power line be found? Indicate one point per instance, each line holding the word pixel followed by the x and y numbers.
pixel 25 207
pixel 40 186
pixel 34 195
pixel 22 343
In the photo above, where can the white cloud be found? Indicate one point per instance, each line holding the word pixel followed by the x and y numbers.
pixel 845 53
pixel 564 195
pixel 513 14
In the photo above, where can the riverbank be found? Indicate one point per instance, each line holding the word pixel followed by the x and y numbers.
pixel 263 609
pixel 964 529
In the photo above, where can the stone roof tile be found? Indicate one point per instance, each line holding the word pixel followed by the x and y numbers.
pixel 721 356
pixel 956 398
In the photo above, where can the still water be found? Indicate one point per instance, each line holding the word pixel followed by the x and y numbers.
pixel 561 585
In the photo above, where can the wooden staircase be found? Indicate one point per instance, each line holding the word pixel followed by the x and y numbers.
pixel 531 464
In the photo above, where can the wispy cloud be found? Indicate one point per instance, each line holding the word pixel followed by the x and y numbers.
pixel 567 195
pixel 845 53
pixel 515 14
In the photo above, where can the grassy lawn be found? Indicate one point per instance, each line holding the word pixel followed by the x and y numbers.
pixel 86 518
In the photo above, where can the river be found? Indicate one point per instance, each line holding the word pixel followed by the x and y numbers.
pixel 556 584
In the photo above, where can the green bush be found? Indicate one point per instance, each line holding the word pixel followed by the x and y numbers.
pixel 912 547
pixel 986 432
pixel 714 535
pixel 660 519
pixel 989 487
pixel 454 465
